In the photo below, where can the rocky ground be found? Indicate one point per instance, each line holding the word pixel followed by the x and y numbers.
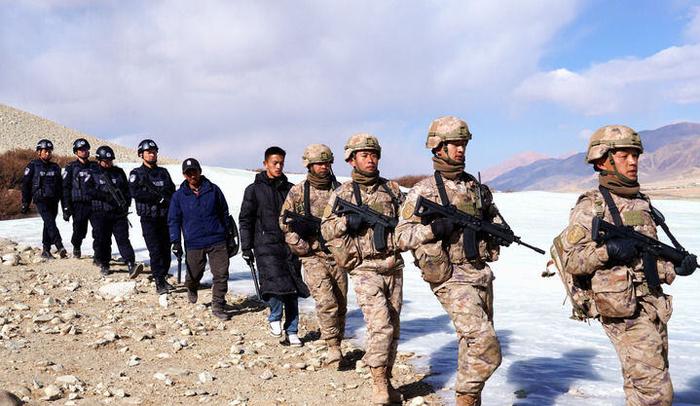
pixel 71 337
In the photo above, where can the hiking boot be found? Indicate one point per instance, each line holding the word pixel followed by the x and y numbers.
pixel 168 286
pixel 334 355
pixel 135 270
pixel 62 253
pixel 294 340
pixel 104 270
pixel 219 313
pixel 276 328
pixel 380 386
pixel 394 395
pixel 76 253
pixel 468 399
pixel 95 262
pixel 192 296
pixel 161 289
pixel 46 254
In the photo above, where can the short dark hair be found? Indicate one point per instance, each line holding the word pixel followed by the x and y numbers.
pixel 275 150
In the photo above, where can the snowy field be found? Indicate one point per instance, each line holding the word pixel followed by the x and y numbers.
pixel 546 356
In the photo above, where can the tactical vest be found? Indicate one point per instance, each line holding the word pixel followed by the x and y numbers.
pixel 78 172
pixel 156 182
pixel 107 203
pixel 46 180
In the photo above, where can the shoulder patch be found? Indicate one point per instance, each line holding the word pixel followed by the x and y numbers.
pixel 26 171
pixel 407 211
pixel 575 234
pixel 132 178
pixel 327 211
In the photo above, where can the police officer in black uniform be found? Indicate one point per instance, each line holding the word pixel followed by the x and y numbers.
pixel 76 200
pixel 110 195
pixel 152 188
pixel 42 183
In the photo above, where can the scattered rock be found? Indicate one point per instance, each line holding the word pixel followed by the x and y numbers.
pixel 134 361
pixel 11 259
pixel 163 301
pixel 20 306
pixel 52 392
pixel 417 401
pixel 9 399
pixel 117 289
pixel 67 380
pixel 205 377
pixel 267 375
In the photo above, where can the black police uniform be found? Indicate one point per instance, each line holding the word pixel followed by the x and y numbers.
pixel 76 200
pixel 152 189
pixel 42 184
pixel 108 218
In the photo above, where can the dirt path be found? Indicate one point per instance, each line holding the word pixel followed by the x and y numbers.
pixel 62 338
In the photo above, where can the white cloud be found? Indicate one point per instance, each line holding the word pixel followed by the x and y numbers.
pixel 670 76
pixel 585 134
pixel 250 74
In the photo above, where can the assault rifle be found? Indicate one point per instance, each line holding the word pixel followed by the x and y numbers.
pixel 428 211
pixel 116 194
pixel 377 221
pixel 650 248
pixel 302 223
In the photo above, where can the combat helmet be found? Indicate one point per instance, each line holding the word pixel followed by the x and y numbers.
pixel 104 153
pixel 44 144
pixel 610 137
pixel 147 145
pixel 447 128
pixel 316 154
pixel 361 142
pixel 79 144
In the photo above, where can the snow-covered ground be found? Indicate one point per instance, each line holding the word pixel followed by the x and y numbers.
pixel 547 356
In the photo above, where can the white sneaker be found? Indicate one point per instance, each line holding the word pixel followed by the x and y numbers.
pixel 276 328
pixel 294 340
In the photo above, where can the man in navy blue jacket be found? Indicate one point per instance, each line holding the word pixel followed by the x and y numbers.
pixel 198 209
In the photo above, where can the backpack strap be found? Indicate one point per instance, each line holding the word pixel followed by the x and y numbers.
pixel 441 189
pixel 614 211
pixel 307 198
pixel 356 193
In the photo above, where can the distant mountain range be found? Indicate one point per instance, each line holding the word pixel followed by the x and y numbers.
pixel 671 159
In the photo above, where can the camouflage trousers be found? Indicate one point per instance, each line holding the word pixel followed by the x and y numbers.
pixel 329 288
pixel 380 298
pixel 470 308
pixel 641 343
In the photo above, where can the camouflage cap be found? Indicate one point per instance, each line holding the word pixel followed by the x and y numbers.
pixel 612 137
pixel 316 154
pixel 360 142
pixel 447 128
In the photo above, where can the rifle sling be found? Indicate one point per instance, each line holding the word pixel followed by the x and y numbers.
pixel 614 211
pixel 383 183
pixel 307 198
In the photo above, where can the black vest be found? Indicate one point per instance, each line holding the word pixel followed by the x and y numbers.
pixel 46 182
pixel 151 190
pixel 77 172
pixel 102 198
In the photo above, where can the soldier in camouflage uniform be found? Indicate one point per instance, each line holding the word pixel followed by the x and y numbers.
pixel 328 283
pixel 462 285
pixel 633 311
pixel 377 275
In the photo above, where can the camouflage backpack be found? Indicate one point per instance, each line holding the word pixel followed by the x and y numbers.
pixel 578 287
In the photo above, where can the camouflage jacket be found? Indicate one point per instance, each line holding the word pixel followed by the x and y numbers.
pixel 358 252
pixel 294 202
pixel 582 256
pixel 441 262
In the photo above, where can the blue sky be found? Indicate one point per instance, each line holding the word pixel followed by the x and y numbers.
pixel 222 80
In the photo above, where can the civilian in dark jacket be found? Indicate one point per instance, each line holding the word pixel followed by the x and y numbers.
pixel 198 210
pixel 263 241
pixel 42 184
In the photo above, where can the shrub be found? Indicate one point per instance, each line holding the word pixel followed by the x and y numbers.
pixel 409 180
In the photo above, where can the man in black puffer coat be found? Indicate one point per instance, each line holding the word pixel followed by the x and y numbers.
pixel 262 240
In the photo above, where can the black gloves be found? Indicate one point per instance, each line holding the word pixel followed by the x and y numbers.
pixel 177 249
pixel 353 223
pixel 24 209
pixel 247 255
pixel 442 228
pixel 687 266
pixel 304 229
pixel 621 250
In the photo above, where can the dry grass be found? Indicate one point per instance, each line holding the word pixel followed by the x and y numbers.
pixel 409 180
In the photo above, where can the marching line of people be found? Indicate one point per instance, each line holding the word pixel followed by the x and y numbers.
pixel 608 257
